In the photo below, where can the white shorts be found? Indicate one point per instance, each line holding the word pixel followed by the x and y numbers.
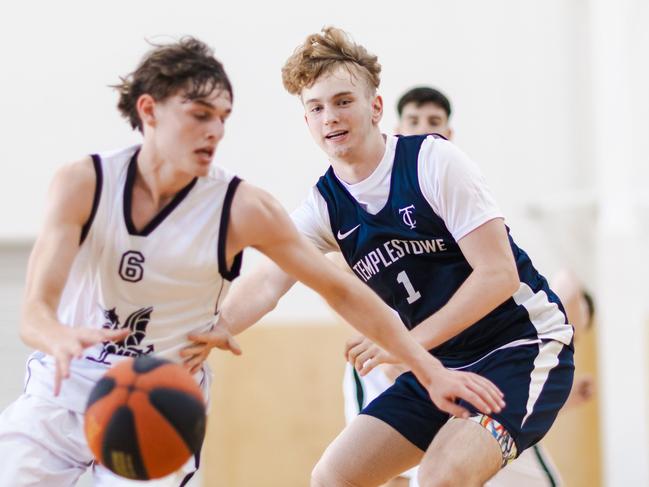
pixel 43 444
pixel 532 468
pixel 359 391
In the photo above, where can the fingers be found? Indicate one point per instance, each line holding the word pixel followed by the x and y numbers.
pixel 191 350
pixel 114 335
pixel 234 346
pixel 476 400
pixel 200 337
pixel 216 338
pixel 62 370
pixel 88 337
pixel 453 408
pixel 351 343
pixel 195 362
pixel 355 351
pixel 491 395
pixel 363 357
pixel 368 366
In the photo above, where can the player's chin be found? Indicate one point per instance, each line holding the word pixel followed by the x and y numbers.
pixel 339 152
pixel 200 168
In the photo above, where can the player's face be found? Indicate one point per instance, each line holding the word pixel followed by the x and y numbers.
pixel 424 119
pixel 187 132
pixel 341 113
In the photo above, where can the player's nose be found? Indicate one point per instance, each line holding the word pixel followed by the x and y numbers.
pixel 216 130
pixel 330 116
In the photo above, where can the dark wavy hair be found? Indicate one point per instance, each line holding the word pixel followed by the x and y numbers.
pixel 187 65
pixel 424 94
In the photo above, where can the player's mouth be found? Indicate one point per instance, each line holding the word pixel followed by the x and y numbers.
pixel 205 154
pixel 337 135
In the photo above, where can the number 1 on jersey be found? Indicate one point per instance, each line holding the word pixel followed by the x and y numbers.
pixel 413 295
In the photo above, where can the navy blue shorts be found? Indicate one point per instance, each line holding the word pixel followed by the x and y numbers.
pixel 536 380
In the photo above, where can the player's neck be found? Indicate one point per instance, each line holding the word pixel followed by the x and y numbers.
pixel 360 163
pixel 158 177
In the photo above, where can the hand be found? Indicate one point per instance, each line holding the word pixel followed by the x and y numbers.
pixel 448 386
pixel 219 337
pixel 365 355
pixel 69 343
pixel 583 389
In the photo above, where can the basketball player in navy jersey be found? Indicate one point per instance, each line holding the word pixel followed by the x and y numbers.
pixel 425 110
pixel 137 251
pixel 421 110
pixel 416 222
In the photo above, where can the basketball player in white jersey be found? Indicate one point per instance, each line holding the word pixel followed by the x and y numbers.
pixel 416 222
pixel 136 254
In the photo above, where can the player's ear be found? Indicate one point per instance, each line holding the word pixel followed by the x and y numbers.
pixel 377 109
pixel 145 106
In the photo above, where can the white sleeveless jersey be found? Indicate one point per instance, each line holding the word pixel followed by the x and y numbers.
pixel 161 282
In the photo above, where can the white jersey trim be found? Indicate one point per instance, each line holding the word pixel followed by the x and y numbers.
pixel 547 318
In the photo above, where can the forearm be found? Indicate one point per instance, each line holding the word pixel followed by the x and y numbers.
pixel 38 325
pixel 482 292
pixel 365 311
pixel 253 296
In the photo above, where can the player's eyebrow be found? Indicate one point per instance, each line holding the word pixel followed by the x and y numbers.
pixel 204 103
pixel 209 105
pixel 316 100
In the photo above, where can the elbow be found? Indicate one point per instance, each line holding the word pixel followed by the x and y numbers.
pixel 511 281
pixel 504 281
pixel 24 332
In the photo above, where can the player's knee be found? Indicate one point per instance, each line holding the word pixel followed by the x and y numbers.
pixel 327 474
pixel 442 475
pixel 323 474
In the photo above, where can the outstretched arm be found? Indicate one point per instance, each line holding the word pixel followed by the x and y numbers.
pixel 259 221
pixel 260 290
pixel 69 206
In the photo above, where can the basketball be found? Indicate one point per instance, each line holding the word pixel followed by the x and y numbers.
pixel 145 418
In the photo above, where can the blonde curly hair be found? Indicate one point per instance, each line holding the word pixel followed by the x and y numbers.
pixel 321 53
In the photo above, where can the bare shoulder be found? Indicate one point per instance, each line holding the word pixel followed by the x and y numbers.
pixel 72 191
pixel 257 217
pixel 253 202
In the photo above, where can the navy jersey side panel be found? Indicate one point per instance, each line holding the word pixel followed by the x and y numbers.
pixel 409 258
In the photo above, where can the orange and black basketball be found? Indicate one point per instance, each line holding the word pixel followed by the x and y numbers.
pixel 145 418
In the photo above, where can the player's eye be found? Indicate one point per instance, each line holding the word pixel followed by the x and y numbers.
pixel 201 115
pixel 316 109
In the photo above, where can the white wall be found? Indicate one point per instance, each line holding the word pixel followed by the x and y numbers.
pixel 514 71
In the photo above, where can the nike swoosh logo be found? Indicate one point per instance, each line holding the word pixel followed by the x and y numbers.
pixel 342 236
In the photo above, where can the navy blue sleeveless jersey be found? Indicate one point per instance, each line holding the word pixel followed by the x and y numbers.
pixel 409 258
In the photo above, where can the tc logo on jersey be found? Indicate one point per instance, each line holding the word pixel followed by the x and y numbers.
pixel 136 323
pixel 406 214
